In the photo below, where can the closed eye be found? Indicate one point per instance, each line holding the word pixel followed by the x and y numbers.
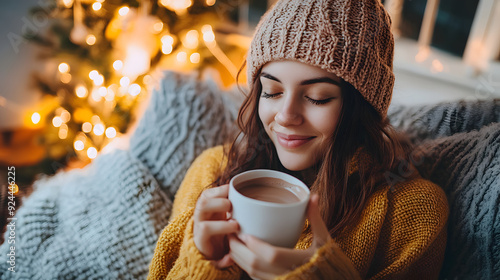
pixel 267 95
pixel 319 102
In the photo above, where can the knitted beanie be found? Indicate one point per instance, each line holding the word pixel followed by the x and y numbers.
pixel 349 38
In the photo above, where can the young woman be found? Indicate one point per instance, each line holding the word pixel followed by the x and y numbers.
pixel 320 78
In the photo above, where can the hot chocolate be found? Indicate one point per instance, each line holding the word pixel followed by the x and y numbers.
pixel 270 190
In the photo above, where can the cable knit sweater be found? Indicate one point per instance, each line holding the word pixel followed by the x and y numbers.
pixel 401 233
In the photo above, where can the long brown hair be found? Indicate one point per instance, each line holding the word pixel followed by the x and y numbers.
pixel 342 197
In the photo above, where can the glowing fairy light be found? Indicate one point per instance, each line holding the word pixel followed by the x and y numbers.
pixel 123 11
pixel 86 127
pixel 117 65
pixel 96 6
pixel 66 78
pixel 210 2
pixel 92 152
pixel 63 131
pixel 195 57
pixel 79 145
pixel 90 40
pixel 98 129
pixel 134 89
pixel 182 57
pixel 191 39
pixel 35 118
pixel 124 81
pixel 99 80
pixel 93 74
pixel 110 132
pixel 65 116
pixel 81 91
pixel 63 67
pixel 57 121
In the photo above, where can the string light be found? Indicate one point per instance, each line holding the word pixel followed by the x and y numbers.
pixel 63 67
pixel 102 91
pixel 191 39
pixel 134 89
pixel 99 80
pixel 95 95
pixel 210 2
pixel 90 39
pixel 95 119
pixel 157 27
pixel 98 129
pixel 167 49
pixel 96 6
pixel 93 74
pixel 110 95
pixel 15 189
pixel 123 11
pixel 194 58
pixel 67 3
pixel 86 127
pixel 110 132
pixel 124 81
pixel 182 57
pixel 35 118
pixel 65 116
pixel 117 65
pixel 92 152
pixel 66 78
pixel 81 91
pixel 79 145
pixel 63 131
pixel 57 121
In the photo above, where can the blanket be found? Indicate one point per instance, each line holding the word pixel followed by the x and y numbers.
pixel 103 221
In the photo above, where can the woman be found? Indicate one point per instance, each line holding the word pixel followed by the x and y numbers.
pixel 320 78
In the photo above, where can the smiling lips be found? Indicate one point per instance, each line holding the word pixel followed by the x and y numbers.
pixel 292 141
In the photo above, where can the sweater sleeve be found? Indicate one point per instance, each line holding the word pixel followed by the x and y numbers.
pixel 176 256
pixel 200 175
pixel 328 262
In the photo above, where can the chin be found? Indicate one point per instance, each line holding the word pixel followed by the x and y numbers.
pixel 294 162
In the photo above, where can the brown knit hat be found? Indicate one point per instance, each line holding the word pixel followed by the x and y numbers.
pixel 350 38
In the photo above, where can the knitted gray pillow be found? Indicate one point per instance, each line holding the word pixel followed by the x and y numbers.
pixel 99 222
pixel 185 116
pixel 467 167
pixel 444 119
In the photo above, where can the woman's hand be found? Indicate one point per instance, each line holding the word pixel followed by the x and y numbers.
pixel 264 261
pixel 211 225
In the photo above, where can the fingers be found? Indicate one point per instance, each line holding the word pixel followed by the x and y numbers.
pixel 286 258
pixel 205 208
pixel 226 261
pixel 213 204
pixel 320 232
pixel 211 228
pixel 249 262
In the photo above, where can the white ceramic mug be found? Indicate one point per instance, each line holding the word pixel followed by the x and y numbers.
pixel 279 224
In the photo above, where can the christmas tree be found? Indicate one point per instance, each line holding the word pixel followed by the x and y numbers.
pixel 104 54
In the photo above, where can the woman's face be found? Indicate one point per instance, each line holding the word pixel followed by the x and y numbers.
pixel 299 107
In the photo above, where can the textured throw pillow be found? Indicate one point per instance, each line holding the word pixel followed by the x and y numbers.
pixel 185 117
pixel 444 119
pixel 467 166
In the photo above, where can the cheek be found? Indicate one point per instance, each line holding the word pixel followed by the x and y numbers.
pixel 266 114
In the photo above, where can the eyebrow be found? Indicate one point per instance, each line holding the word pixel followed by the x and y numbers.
pixel 305 82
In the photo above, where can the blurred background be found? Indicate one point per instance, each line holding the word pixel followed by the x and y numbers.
pixel 75 74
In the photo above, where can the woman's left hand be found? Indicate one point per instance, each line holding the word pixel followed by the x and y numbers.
pixel 264 261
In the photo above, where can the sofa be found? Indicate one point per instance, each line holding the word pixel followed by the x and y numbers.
pixel 102 221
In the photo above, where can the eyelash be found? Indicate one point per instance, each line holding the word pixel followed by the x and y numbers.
pixel 313 101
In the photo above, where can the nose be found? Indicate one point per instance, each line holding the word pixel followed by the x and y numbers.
pixel 289 113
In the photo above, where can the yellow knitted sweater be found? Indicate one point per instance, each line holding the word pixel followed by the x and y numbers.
pixel 401 234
